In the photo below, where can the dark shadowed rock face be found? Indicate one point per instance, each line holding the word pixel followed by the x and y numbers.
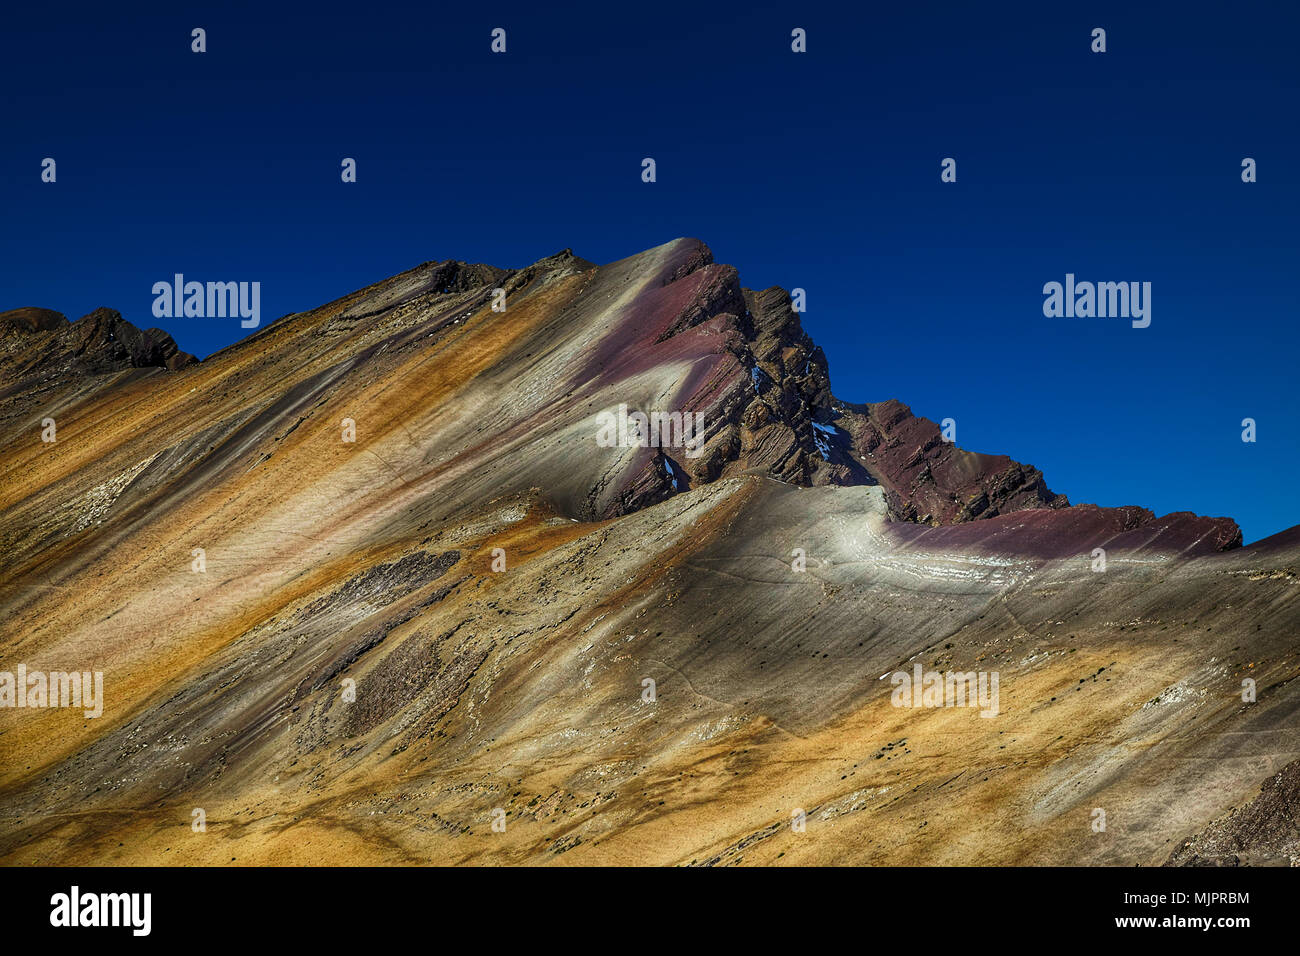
pixel 106 341
pixel 765 421
pixel 43 341
pixel 1264 832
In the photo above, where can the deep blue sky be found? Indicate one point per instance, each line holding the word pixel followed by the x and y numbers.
pixel 818 170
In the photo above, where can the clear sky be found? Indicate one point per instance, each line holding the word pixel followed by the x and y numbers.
pixel 818 170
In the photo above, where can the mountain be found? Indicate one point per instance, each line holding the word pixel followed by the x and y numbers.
pixel 357 651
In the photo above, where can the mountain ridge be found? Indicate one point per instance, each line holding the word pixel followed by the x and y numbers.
pixel 927 480
pixel 367 578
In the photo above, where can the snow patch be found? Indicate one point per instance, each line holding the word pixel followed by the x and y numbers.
pixel 823 445
pixel 672 473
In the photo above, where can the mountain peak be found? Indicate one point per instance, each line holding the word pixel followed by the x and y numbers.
pixel 453 512
pixel 668 329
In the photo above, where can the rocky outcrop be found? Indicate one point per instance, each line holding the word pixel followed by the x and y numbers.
pixel 764 390
pixel 1263 832
pixel 43 342
pixel 771 411
pixel 32 319
pixel 932 481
